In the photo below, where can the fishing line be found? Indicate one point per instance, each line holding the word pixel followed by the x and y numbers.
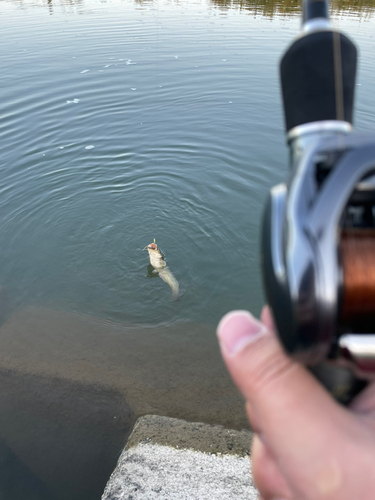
pixel 339 93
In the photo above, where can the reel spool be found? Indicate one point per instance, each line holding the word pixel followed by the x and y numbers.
pixel 357 257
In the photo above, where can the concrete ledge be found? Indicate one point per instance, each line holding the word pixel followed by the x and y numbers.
pixel 167 458
pixel 192 435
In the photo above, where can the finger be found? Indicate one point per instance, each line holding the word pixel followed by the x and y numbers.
pixel 363 403
pixel 267 477
pixel 267 319
pixel 285 401
pixel 259 365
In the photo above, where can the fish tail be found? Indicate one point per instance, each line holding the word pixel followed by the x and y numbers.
pixel 167 276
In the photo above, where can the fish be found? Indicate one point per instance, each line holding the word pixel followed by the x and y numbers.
pixel 160 266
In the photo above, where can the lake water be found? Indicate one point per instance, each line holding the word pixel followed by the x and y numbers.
pixel 121 122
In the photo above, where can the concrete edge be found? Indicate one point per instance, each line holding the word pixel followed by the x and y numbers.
pixel 197 436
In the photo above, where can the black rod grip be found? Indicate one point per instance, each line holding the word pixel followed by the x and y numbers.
pixel 318 78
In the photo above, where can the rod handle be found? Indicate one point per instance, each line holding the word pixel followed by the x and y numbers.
pixel 318 78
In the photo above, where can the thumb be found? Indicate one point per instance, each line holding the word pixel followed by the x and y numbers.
pixel 260 367
pixel 287 406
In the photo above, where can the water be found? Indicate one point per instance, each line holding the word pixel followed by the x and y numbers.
pixel 121 122
pixel 182 153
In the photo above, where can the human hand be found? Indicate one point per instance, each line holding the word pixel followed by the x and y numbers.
pixel 307 446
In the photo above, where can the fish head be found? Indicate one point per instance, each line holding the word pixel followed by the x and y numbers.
pixel 156 257
pixel 153 251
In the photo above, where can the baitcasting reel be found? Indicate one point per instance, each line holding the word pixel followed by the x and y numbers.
pixel 318 244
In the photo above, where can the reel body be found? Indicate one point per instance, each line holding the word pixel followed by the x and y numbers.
pixel 318 241
pixel 310 243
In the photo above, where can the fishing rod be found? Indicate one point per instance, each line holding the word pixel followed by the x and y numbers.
pixel 318 241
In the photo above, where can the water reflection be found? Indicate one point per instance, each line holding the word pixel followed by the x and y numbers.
pixel 261 7
pixel 362 8
pixel 63 6
pixel 68 6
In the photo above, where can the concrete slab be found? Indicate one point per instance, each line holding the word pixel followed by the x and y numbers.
pixel 167 458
